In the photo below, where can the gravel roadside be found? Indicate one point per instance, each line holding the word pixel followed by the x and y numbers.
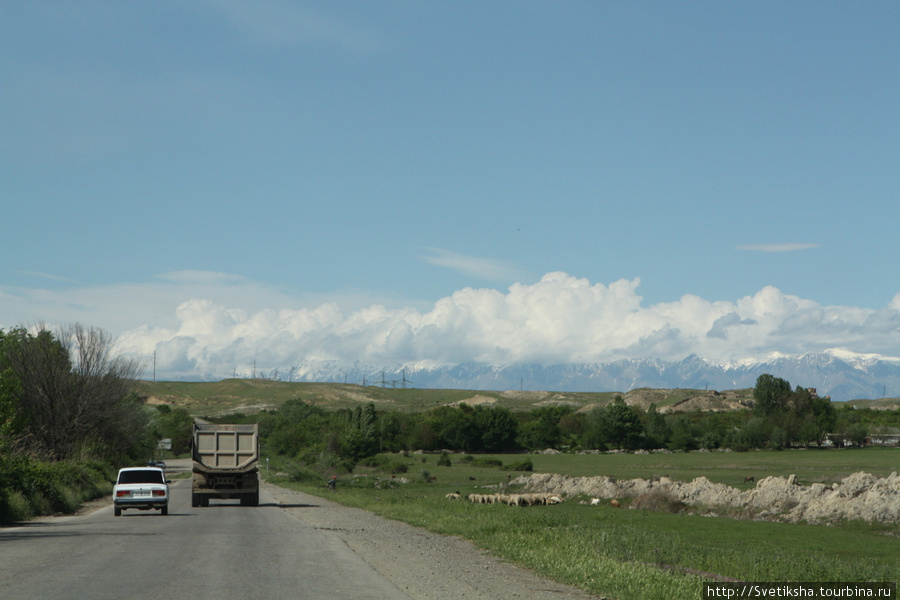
pixel 422 564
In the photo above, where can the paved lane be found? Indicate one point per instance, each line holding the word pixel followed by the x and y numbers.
pixel 222 552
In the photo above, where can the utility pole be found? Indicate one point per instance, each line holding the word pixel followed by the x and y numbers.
pixel 404 381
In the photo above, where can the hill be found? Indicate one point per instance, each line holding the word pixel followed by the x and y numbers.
pixel 252 395
pixel 840 375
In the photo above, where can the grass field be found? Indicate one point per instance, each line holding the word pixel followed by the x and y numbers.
pixel 634 554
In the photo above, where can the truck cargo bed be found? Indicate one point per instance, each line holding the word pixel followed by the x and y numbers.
pixel 225 447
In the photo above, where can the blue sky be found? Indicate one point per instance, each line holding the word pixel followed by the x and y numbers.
pixel 576 180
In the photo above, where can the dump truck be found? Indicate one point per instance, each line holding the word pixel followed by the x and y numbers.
pixel 225 463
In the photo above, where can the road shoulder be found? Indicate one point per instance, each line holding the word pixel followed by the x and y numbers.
pixel 422 564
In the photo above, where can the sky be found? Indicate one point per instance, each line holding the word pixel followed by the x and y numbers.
pixel 271 182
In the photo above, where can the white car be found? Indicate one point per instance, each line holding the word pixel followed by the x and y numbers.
pixel 143 488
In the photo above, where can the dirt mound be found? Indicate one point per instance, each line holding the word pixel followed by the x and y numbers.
pixel 158 400
pixel 643 397
pixel 707 402
pixel 859 496
pixel 476 400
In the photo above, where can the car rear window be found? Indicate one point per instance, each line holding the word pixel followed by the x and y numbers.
pixel 141 476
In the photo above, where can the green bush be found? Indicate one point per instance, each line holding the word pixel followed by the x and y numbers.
pixel 444 460
pixel 14 506
pixel 399 468
pixel 31 488
pixel 487 461
pixel 384 463
pixel 522 465
pixel 379 461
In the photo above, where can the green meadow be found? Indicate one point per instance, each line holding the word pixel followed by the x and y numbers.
pixel 626 553
pixel 731 468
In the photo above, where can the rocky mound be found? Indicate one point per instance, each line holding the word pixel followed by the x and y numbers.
pixel 860 496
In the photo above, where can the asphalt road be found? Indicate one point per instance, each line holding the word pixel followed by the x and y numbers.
pixel 222 552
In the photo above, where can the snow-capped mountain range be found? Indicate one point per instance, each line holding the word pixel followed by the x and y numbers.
pixel 840 374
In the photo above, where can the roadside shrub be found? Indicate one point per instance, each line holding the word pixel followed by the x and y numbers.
pixel 326 463
pixel 40 505
pixel 30 488
pixel 14 506
pixel 468 459
pixel 444 460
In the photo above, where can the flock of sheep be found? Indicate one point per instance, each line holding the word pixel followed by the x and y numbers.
pixel 535 499
pixel 510 499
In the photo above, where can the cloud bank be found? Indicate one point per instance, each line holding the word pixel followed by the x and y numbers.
pixel 560 319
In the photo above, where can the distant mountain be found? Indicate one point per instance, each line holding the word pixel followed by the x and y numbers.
pixel 839 375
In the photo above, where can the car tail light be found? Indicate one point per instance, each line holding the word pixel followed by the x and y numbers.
pixel 159 492
pixel 122 494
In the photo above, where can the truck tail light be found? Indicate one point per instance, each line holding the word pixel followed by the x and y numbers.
pixel 122 494
pixel 159 492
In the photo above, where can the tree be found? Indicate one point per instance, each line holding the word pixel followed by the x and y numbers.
pixel 656 431
pixel 497 429
pixel 623 425
pixel 771 395
pixel 175 424
pixel 684 434
pixel 856 434
pixel 572 427
pixel 754 434
pixel 74 396
pixel 541 427
pixel 455 427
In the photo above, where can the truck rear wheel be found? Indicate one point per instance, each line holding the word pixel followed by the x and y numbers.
pixel 195 500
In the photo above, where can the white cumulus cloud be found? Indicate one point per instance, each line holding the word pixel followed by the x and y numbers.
pixel 560 319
